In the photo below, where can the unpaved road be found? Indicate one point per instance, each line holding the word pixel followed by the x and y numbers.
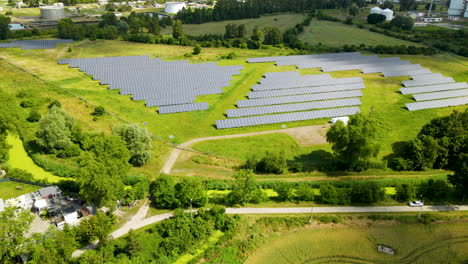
pixel 306 136
pixel 138 222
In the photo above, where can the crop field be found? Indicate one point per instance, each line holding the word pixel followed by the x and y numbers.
pixel 12 189
pixel 337 34
pixel 434 243
pixel 381 96
pixel 282 21
pixel 19 158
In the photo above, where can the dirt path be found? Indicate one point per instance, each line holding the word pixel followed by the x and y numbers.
pixel 305 136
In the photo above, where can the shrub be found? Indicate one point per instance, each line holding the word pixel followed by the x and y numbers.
pixel 26 103
pixel 72 150
pixel 34 116
pixel 20 175
pixel 197 50
pixel 8 13
pixel 99 111
pixel 54 167
pixel 54 103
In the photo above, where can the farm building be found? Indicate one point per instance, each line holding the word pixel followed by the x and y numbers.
pixel 52 12
pixel 50 192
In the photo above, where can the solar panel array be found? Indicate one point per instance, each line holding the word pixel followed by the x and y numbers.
pixel 434 88
pixel 440 95
pixel 288 117
pixel 437 103
pixel 263 110
pixel 398 73
pixel 159 83
pixel 429 81
pixel 306 90
pixel 35 44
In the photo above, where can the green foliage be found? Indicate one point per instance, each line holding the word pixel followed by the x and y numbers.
pixel 55 246
pixel 164 196
pixel 34 116
pixel 72 150
pixel 305 193
pixel 403 22
pixel 13 226
pixel 366 192
pixel 54 103
pixel 54 167
pixel 460 178
pixel 102 169
pixel 285 192
pixel 353 10
pixel 190 191
pixel 55 130
pixel 4 28
pixel 244 188
pixel 375 18
pixel 272 163
pixel 355 144
pixel 196 50
pixel 177 29
pixel 5 123
pixel 387 4
pixel 110 7
pixel 329 194
pixel 405 192
pixel 434 190
pixel 256 39
pixel 20 174
pixel 138 141
pixel 27 103
pixel 99 111
pixel 98 226
pixel 406 5
pixel 272 36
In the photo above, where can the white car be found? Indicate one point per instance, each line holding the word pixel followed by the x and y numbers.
pixel 416 204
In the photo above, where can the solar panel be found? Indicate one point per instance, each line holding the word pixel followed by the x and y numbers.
pixel 396 73
pixel 281 118
pixel 428 81
pixel 307 82
pixel 298 98
pixel 306 90
pixel 182 108
pixel 35 43
pixel 437 103
pixel 434 88
pixel 427 76
pixel 263 110
pixel 440 95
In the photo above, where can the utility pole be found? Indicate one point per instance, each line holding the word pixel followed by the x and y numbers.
pixel 420 211
pixel 191 217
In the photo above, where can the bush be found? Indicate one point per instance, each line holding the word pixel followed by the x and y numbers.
pixel 20 175
pixel 375 18
pixel 72 150
pixel 54 167
pixel 8 13
pixel 34 116
pixel 26 103
pixel 55 103
pixel 99 111
pixel 197 50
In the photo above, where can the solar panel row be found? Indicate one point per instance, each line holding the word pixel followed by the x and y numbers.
pixel 427 76
pixel 437 103
pixel 298 98
pixel 395 73
pixel 281 118
pixel 307 82
pixel 182 108
pixel 306 90
pixel 35 44
pixel 434 88
pixel 430 81
pixel 440 95
pixel 263 110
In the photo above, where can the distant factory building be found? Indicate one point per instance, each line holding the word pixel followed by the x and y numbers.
pixel 458 8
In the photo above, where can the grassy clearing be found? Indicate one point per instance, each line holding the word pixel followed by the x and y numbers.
pixel 435 243
pixel 210 242
pixel 12 189
pixel 19 158
pixel 18 12
pixel 282 21
pixel 337 34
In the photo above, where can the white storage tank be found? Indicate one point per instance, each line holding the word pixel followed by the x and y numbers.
pixel 388 14
pixel 376 10
pixel 52 12
pixel 174 7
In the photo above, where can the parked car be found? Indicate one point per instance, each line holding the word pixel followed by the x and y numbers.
pixel 416 203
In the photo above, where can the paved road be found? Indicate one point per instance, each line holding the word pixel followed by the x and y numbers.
pixel 138 221
pixel 173 156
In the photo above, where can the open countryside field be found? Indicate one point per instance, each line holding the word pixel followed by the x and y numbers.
pixel 12 189
pixel 338 34
pixel 381 94
pixel 19 158
pixel 435 243
pixel 282 21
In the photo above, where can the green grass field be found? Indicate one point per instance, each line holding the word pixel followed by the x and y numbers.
pixel 381 94
pixel 434 243
pixel 19 158
pixel 12 189
pixel 282 21
pixel 337 34
pixel 18 12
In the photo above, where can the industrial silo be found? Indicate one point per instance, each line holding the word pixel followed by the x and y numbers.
pixel 52 12
pixel 174 7
pixel 376 10
pixel 388 14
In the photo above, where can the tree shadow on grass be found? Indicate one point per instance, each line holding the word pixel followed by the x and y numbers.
pixel 322 161
pixel 397 150
pixel 32 147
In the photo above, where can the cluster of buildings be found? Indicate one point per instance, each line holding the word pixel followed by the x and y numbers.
pixel 60 209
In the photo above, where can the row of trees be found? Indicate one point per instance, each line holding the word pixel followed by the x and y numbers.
pixel 167 194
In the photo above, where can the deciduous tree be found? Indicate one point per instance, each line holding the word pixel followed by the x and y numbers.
pixel 138 141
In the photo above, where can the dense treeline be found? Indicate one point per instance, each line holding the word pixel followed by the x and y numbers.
pixel 233 9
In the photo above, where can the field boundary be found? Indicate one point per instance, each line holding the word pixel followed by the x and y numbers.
pixel 23 181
